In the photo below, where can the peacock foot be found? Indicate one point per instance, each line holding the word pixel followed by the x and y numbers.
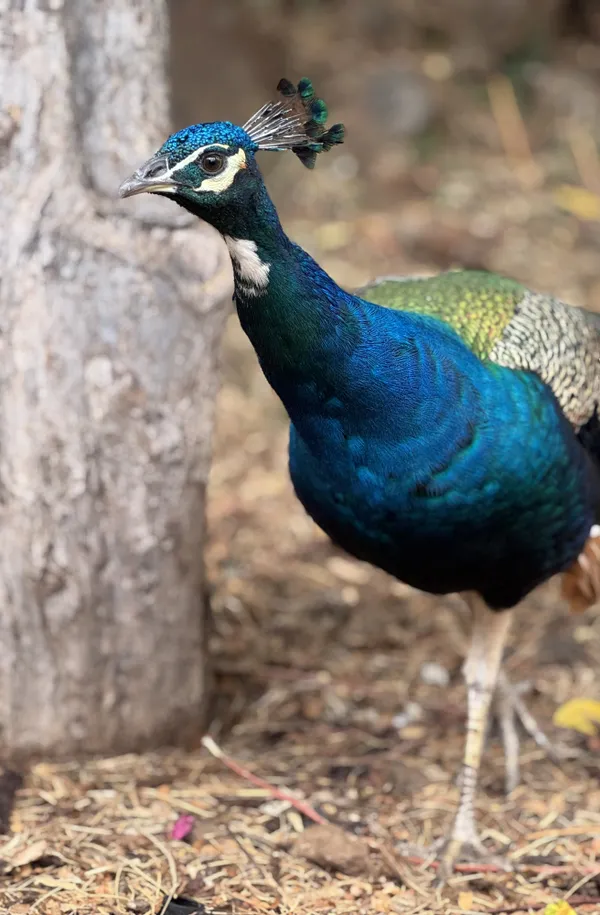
pixel 455 851
pixel 511 713
pixel 463 846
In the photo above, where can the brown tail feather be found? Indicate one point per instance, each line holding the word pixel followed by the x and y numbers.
pixel 581 582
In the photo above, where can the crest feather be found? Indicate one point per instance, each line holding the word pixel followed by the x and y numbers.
pixel 296 121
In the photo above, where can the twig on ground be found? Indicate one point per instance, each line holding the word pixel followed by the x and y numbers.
pixel 543 870
pixel 281 794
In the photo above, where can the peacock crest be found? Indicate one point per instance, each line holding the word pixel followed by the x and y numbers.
pixel 296 121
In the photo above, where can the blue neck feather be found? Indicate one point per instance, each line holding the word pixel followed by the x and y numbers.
pixel 324 350
pixel 302 316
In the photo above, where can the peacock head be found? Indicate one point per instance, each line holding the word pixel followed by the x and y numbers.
pixel 208 168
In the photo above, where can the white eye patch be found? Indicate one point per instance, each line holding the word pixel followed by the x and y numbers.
pixel 224 179
pixel 192 157
pixel 214 183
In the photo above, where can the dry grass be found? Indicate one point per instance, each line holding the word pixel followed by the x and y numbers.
pixel 95 838
pixel 316 655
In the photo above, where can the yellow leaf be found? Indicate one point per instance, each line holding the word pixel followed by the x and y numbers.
pixel 465 901
pixel 559 908
pixel 582 715
pixel 578 201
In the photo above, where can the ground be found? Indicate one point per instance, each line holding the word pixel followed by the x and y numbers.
pixel 324 678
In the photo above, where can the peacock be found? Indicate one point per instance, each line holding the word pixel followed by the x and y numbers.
pixel 444 429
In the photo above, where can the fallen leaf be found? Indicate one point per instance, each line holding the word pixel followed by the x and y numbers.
pixel 29 854
pixel 578 201
pixel 465 901
pixel 581 715
pixel 559 908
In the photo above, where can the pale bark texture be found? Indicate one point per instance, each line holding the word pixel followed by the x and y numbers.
pixel 110 316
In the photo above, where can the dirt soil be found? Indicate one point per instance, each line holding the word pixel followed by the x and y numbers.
pixel 335 682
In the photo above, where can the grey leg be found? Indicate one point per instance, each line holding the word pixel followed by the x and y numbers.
pixel 511 711
pixel 481 670
pixel 512 715
pixel 505 713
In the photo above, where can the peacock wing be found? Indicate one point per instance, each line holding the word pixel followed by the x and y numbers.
pixel 503 322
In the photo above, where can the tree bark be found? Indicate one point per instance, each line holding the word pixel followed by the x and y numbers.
pixel 110 316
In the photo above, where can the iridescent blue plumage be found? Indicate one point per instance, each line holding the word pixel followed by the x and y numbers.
pixel 190 139
pixel 450 473
pixel 448 434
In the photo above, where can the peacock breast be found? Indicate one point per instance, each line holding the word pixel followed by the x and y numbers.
pixel 475 507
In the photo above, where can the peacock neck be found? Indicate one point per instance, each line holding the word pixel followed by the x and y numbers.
pixel 291 310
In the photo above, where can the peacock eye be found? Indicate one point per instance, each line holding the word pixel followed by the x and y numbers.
pixel 212 163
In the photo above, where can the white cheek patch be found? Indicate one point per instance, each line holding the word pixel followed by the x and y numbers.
pixel 226 178
pixel 251 274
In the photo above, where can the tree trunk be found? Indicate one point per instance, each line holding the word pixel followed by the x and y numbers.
pixel 110 316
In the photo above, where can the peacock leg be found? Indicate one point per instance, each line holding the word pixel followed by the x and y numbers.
pixel 510 712
pixel 511 715
pixel 481 670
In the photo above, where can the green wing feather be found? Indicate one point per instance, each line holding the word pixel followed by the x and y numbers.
pixel 477 305
pixel 503 322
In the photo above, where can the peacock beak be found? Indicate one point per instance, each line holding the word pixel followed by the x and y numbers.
pixel 152 178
